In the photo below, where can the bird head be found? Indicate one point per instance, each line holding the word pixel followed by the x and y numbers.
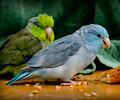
pixel 96 35
pixel 41 26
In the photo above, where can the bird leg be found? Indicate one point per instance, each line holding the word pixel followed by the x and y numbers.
pixel 77 78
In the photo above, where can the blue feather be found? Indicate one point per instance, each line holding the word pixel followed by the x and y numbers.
pixel 26 59
pixel 35 22
pixel 3 46
pixel 19 76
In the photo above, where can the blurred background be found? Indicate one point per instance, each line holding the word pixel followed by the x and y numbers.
pixel 69 15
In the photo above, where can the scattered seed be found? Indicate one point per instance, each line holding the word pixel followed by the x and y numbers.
pixel 93 93
pixel 27 85
pixel 30 95
pixel 58 87
pixel 34 91
pixel 71 86
pixel 39 87
pixel 87 94
pixel 37 84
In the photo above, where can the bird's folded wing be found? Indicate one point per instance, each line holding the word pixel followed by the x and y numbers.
pixel 19 46
pixel 55 54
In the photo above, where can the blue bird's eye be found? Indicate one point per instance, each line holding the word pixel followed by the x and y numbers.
pixel 99 35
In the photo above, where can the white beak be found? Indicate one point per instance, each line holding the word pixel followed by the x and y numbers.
pixel 48 31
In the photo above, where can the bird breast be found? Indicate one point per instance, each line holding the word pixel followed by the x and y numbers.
pixel 78 62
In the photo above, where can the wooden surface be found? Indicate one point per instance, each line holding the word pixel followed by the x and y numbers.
pixel 50 92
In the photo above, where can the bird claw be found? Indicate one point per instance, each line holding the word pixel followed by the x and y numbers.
pixel 66 84
pixel 71 83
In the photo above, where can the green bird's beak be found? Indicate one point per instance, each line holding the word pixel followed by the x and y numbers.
pixel 48 31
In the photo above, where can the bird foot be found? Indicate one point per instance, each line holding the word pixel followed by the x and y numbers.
pixel 77 78
pixel 68 83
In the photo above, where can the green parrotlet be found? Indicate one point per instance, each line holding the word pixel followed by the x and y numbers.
pixel 20 47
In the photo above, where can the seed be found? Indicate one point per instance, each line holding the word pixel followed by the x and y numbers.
pixel 93 93
pixel 34 91
pixel 71 86
pixel 30 95
pixel 39 87
pixel 27 85
pixel 87 94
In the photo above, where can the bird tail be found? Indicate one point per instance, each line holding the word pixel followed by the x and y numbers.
pixel 19 76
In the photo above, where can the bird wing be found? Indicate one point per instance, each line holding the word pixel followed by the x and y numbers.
pixel 55 54
pixel 19 47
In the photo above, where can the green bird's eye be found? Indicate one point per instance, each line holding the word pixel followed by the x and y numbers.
pixel 38 25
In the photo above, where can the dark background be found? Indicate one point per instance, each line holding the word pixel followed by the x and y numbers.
pixel 69 15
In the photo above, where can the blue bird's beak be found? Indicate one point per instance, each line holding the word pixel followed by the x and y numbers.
pixel 106 42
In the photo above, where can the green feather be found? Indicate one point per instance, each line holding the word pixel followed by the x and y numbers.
pixel 38 32
pixel 45 21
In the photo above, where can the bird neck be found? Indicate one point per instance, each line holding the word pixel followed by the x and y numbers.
pixel 96 47
pixel 38 32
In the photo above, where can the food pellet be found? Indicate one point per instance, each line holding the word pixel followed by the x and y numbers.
pixel 30 95
pixel 87 94
pixel 34 91
pixel 27 85
pixel 93 93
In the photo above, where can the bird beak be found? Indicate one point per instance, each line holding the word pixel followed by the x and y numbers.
pixel 106 42
pixel 48 31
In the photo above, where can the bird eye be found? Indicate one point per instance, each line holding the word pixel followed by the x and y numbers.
pixel 99 35
pixel 38 25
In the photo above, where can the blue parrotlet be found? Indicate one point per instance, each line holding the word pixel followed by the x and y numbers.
pixel 67 56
